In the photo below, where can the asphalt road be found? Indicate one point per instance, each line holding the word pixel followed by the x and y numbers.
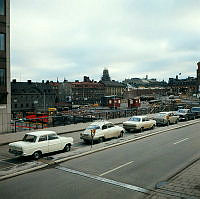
pixel 139 164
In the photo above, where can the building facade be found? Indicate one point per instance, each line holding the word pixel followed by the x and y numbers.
pixel 198 77
pixel 186 86
pixel 112 87
pixel 32 96
pixel 87 92
pixel 5 94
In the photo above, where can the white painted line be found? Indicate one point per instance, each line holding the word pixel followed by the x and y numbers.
pixel 104 180
pixel 116 168
pixel 181 140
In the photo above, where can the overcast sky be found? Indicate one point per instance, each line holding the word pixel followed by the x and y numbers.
pixel 131 38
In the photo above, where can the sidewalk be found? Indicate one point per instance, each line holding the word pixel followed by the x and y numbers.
pixel 186 184
pixel 12 137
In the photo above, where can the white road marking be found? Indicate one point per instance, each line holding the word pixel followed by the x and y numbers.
pixel 181 140
pixel 105 180
pixel 116 168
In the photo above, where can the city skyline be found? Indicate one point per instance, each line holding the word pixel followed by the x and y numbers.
pixel 132 39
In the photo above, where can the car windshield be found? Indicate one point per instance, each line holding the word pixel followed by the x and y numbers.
pixel 93 127
pixel 135 119
pixel 29 138
pixel 196 109
pixel 182 111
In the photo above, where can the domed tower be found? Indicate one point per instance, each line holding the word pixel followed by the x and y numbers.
pixel 105 76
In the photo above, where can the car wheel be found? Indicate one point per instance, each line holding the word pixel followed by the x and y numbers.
pixel 37 155
pixel 121 134
pixel 153 127
pixel 176 121
pixel 186 118
pixel 67 147
pixel 142 129
pixel 101 139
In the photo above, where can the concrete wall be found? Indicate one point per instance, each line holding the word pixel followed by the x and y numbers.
pixel 5 109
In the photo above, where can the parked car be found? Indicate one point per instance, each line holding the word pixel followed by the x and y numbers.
pixel 102 130
pixel 40 142
pixel 139 123
pixel 166 118
pixel 196 111
pixel 185 114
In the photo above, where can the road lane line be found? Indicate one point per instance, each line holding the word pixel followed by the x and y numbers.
pixel 123 165
pixel 104 180
pixel 181 140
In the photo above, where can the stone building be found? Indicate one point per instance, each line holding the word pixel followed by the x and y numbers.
pixel 5 95
pixel 32 96
pixel 112 87
pixel 187 86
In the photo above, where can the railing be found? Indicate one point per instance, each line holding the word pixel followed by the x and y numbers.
pixel 78 117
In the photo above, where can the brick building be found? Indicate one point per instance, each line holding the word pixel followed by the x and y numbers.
pixel 87 92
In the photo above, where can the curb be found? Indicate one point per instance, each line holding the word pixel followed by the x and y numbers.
pixel 94 151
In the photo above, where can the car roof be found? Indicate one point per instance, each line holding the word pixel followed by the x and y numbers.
pixel 39 133
pixel 165 112
pixel 100 123
pixel 140 116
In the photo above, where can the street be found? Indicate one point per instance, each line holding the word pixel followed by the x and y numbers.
pixel 139 165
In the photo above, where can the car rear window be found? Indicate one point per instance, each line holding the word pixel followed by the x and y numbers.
pixel 135 119
pixel 93 127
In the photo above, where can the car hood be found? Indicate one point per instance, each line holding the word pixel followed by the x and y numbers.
pixel 180 114
pixel 20 144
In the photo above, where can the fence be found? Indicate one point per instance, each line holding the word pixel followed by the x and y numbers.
pixel 77 117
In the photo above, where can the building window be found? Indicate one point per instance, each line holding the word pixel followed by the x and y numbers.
pixel 2 77
pixel 2 7
pixel 2 41
pixel 3 98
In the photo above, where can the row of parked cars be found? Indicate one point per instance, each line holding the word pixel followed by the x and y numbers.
pixel 40 142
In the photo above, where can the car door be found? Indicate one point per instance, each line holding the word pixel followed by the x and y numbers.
pixel 112 131
pixel 54 143
pixel 105 131
pixel 148 123
pixel 43 144
pixel 144 123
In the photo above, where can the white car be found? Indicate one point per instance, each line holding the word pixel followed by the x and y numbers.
pixel 40 142
pixel 139 123
pixel 101 131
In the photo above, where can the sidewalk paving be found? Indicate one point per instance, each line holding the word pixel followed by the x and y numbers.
pixel 186 184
